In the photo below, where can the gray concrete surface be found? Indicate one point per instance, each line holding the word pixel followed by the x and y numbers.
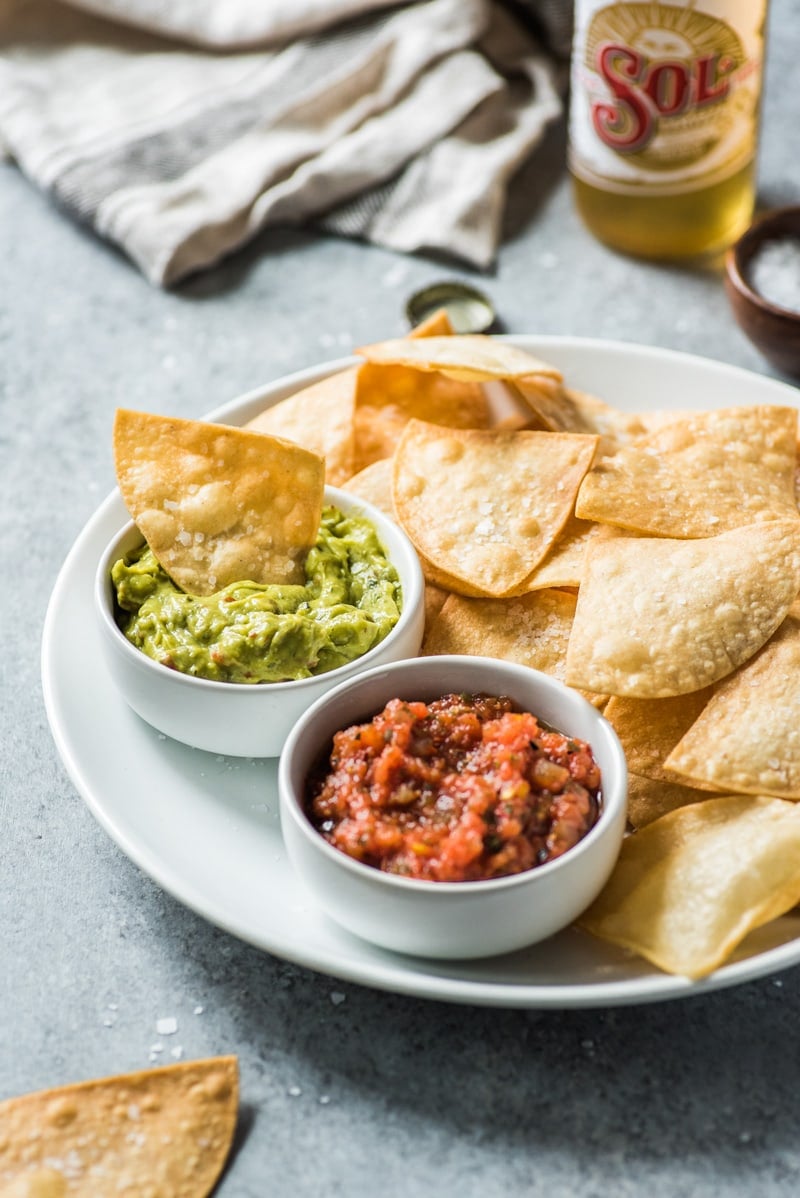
pixel 345 1090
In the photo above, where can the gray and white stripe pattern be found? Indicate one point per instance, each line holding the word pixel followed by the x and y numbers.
pixel 397 125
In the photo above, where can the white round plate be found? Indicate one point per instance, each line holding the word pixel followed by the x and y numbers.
pixel 206 828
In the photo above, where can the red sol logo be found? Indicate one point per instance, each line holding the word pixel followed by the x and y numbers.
pixel 670 73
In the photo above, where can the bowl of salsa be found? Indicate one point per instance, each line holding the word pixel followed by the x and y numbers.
pixel 230 672
pixel 453 807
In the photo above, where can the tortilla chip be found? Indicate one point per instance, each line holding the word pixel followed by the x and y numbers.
pixel 665 617
pixel 389 396
pixel 649 729
pixel 485 506
pixel 656 419
pixel 320 418
pixel 565 410
pixel 564 564
pixel 167 1131
pixel 216 504
pixel 650 798
pixel 688 888
pixel 747 738
pixel 469 357
pixel 438 324
pixel 435 599
pixel 446 582
pixel 374 483
pixel 532 630
pixel 697 477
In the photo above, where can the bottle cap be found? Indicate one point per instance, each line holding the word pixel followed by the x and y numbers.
pixel 469 309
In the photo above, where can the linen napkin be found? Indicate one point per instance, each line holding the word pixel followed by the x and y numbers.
pixel 180 128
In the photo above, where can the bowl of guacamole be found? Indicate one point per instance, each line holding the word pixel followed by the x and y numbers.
pixel 231 672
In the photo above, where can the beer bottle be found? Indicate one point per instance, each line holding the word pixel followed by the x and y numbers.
pixel 664 122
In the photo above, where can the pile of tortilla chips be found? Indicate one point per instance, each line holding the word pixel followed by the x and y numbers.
pixel 159 1131
pixel 650 560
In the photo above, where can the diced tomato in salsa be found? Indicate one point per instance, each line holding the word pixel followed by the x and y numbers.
pixel 460 789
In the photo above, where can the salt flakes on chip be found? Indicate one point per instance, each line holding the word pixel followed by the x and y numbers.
pixel 216 504
pixel 688 887
pixel 532 630
pixel 658 617
pixel 484 506
pixel 160 1131
pixel 699 476
pixel 747 739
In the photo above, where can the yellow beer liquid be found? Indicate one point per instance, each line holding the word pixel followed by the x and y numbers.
pixel 695 224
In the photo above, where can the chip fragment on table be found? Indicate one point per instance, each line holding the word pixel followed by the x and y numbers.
pixel 158 1131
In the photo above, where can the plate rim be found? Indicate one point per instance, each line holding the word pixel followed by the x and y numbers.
pixel 397 975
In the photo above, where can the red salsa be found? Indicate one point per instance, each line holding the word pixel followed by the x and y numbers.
pixel 460 789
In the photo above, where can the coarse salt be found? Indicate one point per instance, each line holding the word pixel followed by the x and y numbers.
pixel 775 272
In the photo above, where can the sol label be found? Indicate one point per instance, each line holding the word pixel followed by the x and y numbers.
pixel 664 94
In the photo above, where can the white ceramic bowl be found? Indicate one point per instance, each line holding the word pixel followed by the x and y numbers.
pixel 452 919
pixel 234 718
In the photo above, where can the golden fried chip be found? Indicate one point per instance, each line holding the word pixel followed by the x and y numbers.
pixel 387 397
pixel 470 357
pixel 664 617
pixel 650 798
pixel 435 599
pixel 658 417
pixel 446 582
pixel 565 410
pixel 374 483
pixel 747 738
pixel 320 418
pixel 564 564
pixel 485 506
pixel 532 630
pixel 438 324
pixel 688 888
pixel 216 504
pixel 649 729
pixel 161 1131
pixel 699 476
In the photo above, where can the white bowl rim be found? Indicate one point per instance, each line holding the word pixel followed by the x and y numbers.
pixel 333 495
pixel 291 801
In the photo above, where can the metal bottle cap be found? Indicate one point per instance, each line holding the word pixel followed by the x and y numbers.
pixel 469 309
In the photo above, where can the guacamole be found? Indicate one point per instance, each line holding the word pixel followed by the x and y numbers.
pixel 251 632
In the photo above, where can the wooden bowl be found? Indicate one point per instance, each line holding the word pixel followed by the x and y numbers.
pixel 774 329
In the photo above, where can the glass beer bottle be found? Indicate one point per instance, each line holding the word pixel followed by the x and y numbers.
pixel 664 122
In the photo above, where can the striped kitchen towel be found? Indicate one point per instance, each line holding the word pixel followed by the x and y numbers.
pixel 180 128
